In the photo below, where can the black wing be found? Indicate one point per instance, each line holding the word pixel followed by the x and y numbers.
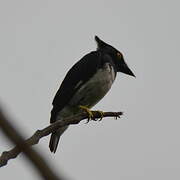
pixel 81 71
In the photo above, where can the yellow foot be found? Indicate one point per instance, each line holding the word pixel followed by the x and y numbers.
pixel 102 114
pixel 90 114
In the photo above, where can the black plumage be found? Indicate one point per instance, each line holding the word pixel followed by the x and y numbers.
pixel 83 70
pixel 86 83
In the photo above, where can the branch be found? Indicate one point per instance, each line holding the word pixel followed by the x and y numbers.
pixel 13 153
pixel 21 146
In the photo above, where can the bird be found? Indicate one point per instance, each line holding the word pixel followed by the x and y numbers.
pixel 85 84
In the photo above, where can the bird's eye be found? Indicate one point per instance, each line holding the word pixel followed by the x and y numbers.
pixel 119 55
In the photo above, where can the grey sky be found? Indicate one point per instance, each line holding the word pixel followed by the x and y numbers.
pixel 41 39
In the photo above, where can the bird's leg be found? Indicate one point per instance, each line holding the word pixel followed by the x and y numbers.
pixel 102 114
pixel 90 114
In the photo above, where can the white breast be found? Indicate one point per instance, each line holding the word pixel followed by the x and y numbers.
pixel 96 88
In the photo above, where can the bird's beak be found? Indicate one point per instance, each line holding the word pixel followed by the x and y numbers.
pixel 127 70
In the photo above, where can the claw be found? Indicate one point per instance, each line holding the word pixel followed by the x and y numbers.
pixel 88 111
pixel 102 114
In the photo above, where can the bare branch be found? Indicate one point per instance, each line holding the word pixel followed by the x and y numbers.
pixel 21 146
pixel 13 153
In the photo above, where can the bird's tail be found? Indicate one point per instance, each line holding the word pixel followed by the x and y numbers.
pixel 54 140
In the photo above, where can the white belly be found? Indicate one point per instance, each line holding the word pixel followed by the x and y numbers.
pixel 96 88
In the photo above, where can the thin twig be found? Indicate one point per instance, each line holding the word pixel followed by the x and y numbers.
pixel 13 153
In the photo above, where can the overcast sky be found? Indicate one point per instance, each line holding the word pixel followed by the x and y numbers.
pixel 41 39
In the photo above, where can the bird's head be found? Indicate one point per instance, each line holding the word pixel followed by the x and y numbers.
pixel 116 56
